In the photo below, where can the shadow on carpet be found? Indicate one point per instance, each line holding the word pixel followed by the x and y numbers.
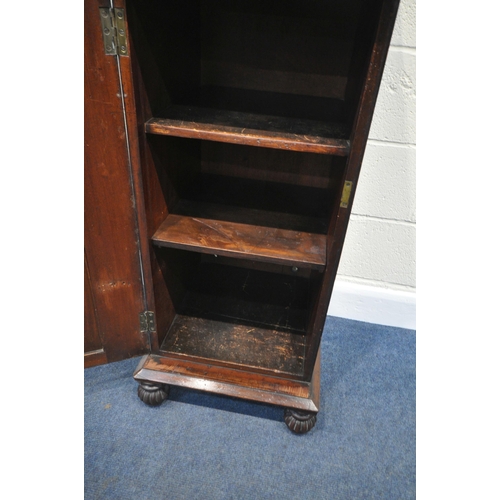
pixel 208 447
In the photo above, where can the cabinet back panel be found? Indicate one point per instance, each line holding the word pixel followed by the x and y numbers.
pixel 260 186
pixel 290 58
pixel 285 201
pixel 247 296
pixel 245 315
pixel 310 53
pixel 272 103
pixel 200 285
pixel 274 165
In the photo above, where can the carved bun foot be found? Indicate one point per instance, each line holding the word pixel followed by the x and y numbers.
pixel 152 394
pixel 299 421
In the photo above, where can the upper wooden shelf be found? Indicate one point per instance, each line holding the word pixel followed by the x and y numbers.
pixel 291 134
pixel 230 239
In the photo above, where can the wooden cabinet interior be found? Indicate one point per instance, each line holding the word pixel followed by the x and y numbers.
pixel 252 115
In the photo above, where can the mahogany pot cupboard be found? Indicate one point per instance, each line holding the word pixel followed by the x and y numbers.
pixel 223 145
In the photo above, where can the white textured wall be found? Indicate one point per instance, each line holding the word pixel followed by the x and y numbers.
pixel 379 250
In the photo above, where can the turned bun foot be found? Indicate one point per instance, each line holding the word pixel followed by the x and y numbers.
pixel 299 421
pixel 152 394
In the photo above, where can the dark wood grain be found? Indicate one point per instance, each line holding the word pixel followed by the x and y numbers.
pixel 166 39
pixel 271 165
pixel 233 343
pixel 227 291
pixel 94 358
pixel 280 269
pixel 250 201
pixel 265 388
pixel 94 353
pixel 260 102
pixel 382 25
pixel 299 55
pixel 145 89
pixel 92 335
pixel 250 117
pixel 293 248
pixel 252 216
pixel 237 37
pixel 250 129
pixel 244 317
pixel 110 233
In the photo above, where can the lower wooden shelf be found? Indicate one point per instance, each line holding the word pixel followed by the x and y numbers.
pixel 300 395
pixel 272 350
pixel 248 219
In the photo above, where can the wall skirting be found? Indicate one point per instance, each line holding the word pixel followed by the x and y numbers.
pixel 373 304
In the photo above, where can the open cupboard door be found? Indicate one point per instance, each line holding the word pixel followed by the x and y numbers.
pixel 114 284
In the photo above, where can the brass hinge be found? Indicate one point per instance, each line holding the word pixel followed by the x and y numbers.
pixel 346 194
pixel 114 32
pixel 147 321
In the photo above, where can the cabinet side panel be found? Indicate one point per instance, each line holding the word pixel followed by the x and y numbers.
pixel 364 39
pixel 146 91
pixel 111 241
pixel 167 43
pixel 338 226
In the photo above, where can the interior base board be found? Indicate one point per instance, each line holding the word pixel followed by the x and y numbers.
pixel 373 304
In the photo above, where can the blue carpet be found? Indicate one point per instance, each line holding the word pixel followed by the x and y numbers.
pixel 202 446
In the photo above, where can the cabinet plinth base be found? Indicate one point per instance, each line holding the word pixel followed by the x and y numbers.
pixel 156 371
pixel 152 394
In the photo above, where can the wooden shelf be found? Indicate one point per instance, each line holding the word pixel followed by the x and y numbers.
pixel 249 219
pixel 231 239
pixel 232 343
pixel 291 134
